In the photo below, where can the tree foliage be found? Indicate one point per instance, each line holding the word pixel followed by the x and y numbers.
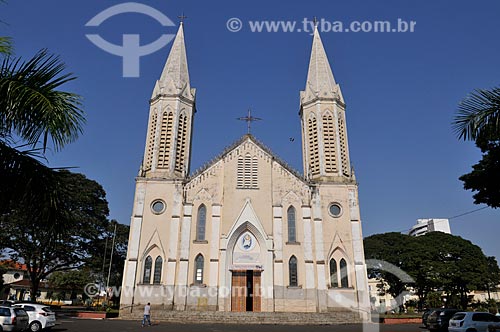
pixel 33 111
pixel 478 115
pixel 478 119
pixel 484 179
pixel 80 206
pixel 436 261
pixel 73 281
pixel 101 258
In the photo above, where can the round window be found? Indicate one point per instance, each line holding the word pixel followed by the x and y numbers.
pixel 17 275
pixel 335 210
pixel 158 206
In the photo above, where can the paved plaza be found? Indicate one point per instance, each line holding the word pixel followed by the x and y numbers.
pixel 112 325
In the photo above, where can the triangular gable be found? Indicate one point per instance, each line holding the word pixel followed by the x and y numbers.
pixel 236 145
pixel 154 241
pixel 248 215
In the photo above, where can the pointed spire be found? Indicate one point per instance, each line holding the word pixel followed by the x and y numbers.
pixel 176 68
pixel 320 82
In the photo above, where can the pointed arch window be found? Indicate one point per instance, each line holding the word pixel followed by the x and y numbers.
pixel 344 280
pixel 292 271
pixel 148 264
pixel 157 272
pixel 198 269
pixel 334 278
pixel 201 223
pixel 292 233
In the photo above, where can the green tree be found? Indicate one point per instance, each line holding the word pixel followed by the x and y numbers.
pixel 484 179
pixel 73 281
pixel 81 207
pixel 100 254
pixel 436 261
pixel 492 278
pixel 33 112
pixel 396 249
pixel 458 265
pixel 478 119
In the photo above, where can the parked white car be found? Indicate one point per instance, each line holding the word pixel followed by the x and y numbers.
pixel 13 319
pixel 473 322
pixel 40 316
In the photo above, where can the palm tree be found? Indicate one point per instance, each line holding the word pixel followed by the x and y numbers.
pixel 478 115
pixel 33 112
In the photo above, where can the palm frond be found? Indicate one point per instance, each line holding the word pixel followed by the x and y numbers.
pixel 27 184
pixel 478 115
pixel 5 46
pixel 31 105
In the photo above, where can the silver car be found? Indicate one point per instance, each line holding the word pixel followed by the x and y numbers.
pixel 40 316
pixel 13 319
pixel 469 321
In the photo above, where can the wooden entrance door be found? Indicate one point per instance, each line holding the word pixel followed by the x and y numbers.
pixel 245 291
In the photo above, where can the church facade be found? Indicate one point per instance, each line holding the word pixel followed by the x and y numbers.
pixel 247 232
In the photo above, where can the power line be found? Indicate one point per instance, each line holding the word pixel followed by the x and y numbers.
pixel 468 212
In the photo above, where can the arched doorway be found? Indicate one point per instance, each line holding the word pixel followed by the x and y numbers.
pixel 246 271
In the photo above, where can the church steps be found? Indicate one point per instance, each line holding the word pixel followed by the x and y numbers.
pixel 276 318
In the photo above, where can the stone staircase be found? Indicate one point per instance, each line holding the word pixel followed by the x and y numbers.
pixel 274 318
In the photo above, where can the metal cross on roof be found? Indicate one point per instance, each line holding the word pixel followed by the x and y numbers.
pixel 182 17
pixel 249 119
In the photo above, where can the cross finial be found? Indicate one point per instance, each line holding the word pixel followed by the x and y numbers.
pixel 249 119
pixel 315 20
pixel 182 17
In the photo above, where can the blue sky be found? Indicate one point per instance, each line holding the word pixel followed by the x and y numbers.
pixel 401 91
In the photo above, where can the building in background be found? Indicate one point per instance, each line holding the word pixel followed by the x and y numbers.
pixel 425 226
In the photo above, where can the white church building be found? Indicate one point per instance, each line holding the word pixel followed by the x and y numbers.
pixel 247 232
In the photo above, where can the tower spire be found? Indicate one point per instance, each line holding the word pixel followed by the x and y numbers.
pixel 176 70
pixel 320 81
pixel 322 111
pixel 172 108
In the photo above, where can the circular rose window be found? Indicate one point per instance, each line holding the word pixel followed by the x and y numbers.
pixel 158 206
pixel 335 210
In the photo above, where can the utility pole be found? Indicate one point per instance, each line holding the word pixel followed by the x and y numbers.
pixel 110 261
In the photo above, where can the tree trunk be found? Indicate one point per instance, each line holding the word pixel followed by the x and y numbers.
pixel 35 286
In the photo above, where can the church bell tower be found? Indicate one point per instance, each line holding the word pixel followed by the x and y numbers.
pixel 172 108
pixel 322 111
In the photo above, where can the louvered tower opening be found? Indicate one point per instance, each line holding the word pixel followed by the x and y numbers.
pixel 343 147
pixel 151 141
pixel 313 146
pixel 180 159
pixel 329 143
pixel 165 139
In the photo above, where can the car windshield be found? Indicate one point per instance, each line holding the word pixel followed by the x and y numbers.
pixel 458 317
pixel 47 309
